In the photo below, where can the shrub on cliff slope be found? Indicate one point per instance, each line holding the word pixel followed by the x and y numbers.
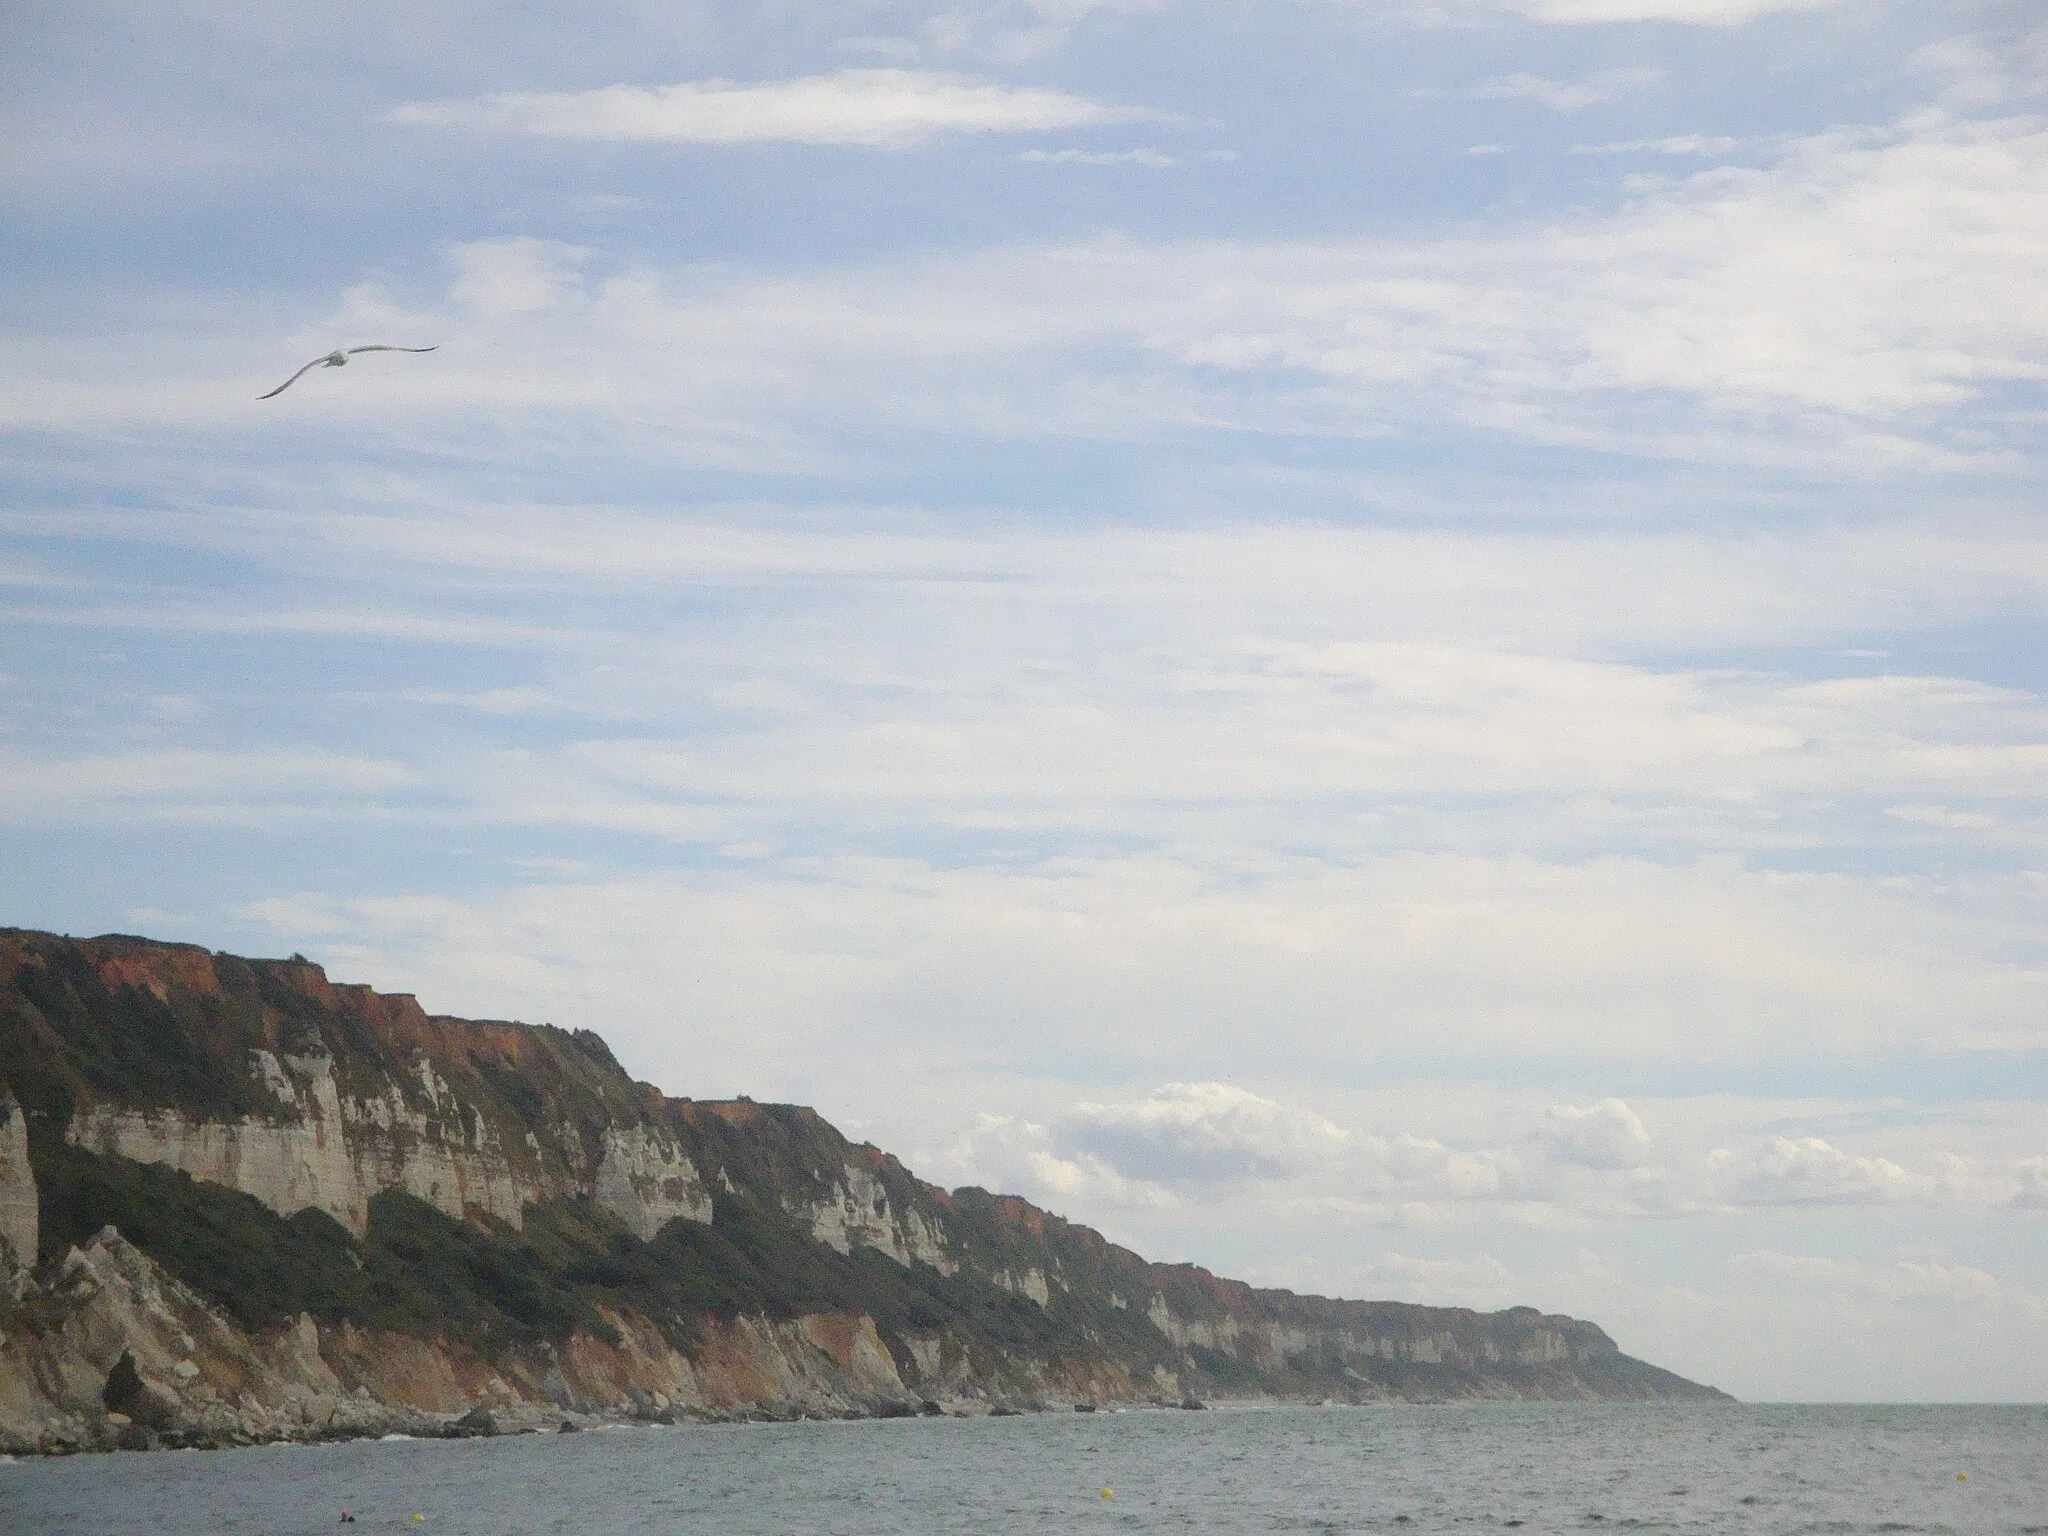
pixel 230 1247
pixel 492 1287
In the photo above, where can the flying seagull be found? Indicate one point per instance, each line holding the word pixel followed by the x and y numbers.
pixel 334 360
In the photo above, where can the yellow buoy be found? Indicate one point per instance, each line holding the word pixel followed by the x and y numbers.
pixel 1109 1493
pixel 420 1518
pixel 1962 1477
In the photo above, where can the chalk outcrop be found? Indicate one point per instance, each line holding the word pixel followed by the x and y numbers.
pixel 856 1213
pixel 239 1201
pixel 20 1209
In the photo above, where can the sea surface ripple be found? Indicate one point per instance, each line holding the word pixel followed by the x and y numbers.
pixel 1398 1468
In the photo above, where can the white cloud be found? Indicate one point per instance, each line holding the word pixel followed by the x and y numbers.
pixel 1202 1133
pixel 1807 1170
pixel 1311 763
pixel 1507 589
pixel 1940 817
pixel 1569 95
pixel 1014 1155
pixel 1979 72
pixel 2033 1181
pixel 1480 1280
pixel 505 702
pixel 1150 158
pixel 1356 724
pixel 303 916
pixel 1709 144
pixel 1604 1136
pixel 1217 1143
pixel 877 108
pixel 894 50
pixel 1012 32
pixel 506 278
pixel 1709 13
pixel 425 628
pixel 1865 304
pixel 1903 1282
pixel 177 780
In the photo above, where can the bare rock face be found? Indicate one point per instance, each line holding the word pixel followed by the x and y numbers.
pixel 109 1349
pixel 140 1402
pixel 20 1210
pixel 120 1354
pixel 646 1181
pixel 856 1211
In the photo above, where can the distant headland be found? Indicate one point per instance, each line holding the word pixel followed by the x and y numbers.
pixel 242 1202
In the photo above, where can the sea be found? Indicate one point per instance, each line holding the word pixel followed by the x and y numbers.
pixel 1399 1468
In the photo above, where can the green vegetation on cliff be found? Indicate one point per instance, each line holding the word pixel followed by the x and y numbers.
pixel 490 1287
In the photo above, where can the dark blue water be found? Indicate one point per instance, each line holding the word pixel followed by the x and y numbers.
pixel 1398 1469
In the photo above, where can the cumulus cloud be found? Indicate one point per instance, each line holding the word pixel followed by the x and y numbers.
pixel 515 276
pixel 1604 1136
pixel 1708 13
pixel 1807 1170
pixel 1975 72
pixel 1217 1141
pixel 875 108
pixel 1016 1155
pixel 2032 1194
pixel 1569 95
pixel 1392 1173
pixel 1203 1133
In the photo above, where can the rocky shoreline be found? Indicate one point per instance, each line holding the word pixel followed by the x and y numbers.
pixel 113 1430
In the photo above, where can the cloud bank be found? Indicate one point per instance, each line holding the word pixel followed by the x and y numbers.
pixel 1195 1144
pixel 1865 303
pixel 1705 13
pixel 872 108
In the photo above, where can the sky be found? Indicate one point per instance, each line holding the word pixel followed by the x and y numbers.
pixel 1398 648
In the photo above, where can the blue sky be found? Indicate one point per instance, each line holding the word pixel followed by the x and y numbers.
pixel 1394 647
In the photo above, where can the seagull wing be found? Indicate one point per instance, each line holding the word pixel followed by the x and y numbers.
pixel 352 351
pixel 288 383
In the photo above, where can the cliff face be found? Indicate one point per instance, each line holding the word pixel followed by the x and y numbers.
pixel 245 1201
